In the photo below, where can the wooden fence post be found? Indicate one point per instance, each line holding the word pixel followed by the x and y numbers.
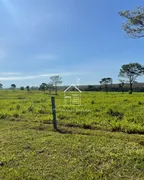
pixel 54 113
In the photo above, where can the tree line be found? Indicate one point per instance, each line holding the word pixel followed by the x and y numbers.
pixel 128 71
pixel 51 86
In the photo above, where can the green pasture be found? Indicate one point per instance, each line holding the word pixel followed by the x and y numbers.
pixel 101 139
pixel 110 112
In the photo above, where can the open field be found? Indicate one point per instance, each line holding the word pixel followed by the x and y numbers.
pixel 110 112
pixel 102 139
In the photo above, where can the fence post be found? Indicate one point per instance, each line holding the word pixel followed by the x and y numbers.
pixel 54 113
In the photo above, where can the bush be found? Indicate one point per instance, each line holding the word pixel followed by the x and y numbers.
pixel 139 102
pixel 23 112
pixel 92 102
pixel 4 116
pixel 16 115
pixel 11 109
pixel 30 109
pixel 18 107
pixel 115 113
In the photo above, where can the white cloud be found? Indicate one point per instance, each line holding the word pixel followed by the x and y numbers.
pixel 31 77
pixel 9 78
pixel 25 77
pixel 9 73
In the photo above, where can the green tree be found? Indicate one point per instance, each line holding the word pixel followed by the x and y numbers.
pixel 34 88
pixel 134 26
pixel 22 88
pixel 131 71
pixel 1 85
pixel 13 87
pixel 121 85
pixel 50 87
pixel 106 82
pixel 28 88
pixel 55 80
pixel 43 87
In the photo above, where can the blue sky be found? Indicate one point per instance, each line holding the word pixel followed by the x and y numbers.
pixel 77 39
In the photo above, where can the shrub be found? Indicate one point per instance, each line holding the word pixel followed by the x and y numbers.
pixel 16 115
pixel 23 112
pixel 139 102
pixel 115 113
pixel 11 109
pixel 92 102
pixel 3 116
pixel 30 109
pixel 18 107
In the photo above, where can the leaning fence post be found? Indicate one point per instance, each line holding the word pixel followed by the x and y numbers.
pixel 54 112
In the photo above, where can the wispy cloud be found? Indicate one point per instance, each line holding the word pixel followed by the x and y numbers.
pixel 9 78
pixel 27 20
pixel 10 8
pixel 9 73
pixel 31 77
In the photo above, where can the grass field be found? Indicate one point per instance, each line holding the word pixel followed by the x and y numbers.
pixel 102 139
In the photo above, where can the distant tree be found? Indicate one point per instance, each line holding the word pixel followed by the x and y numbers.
pixel 131 71
pixel 13 87
pixel 91 88
pixel 34 88
pixel 43 87
pixel 134 27
pixel 121 85
pixel 55 80
pixel 22 88
pixel 50 87
pixel 28 88
pixel 105 82
pixel 1 85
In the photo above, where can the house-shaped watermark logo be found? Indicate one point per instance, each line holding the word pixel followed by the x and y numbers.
pixel 72 95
